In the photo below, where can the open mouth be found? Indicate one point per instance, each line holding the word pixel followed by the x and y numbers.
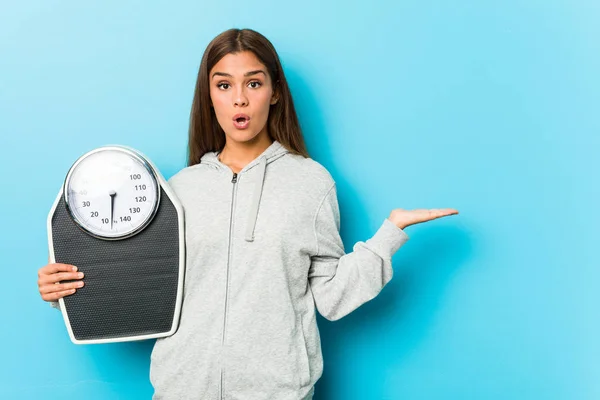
pixel 240 121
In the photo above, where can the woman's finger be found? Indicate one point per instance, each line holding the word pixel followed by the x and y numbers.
pixel 59 277
pixel 443 212
pixel 57 295
pixel 60 287
pixel 424 214
pixel 56 267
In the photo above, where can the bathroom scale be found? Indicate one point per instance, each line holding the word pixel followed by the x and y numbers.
pixel 118 221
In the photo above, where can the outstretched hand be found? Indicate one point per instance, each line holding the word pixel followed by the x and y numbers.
pixel 403 218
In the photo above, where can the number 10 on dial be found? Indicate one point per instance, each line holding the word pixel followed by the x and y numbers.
pixel 112 192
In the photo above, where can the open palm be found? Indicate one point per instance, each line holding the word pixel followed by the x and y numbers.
pixel 403 218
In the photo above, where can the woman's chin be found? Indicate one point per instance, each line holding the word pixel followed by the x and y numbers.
pixel 241 136
pixel 245 135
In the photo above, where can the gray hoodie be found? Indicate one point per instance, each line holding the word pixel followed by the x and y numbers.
pixel 263 249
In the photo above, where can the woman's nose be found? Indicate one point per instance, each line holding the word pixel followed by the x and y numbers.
pixel 240 98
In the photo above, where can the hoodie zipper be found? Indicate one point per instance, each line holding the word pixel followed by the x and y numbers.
pixel 233 181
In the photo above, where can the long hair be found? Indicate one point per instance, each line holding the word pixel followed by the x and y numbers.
pixel 205 133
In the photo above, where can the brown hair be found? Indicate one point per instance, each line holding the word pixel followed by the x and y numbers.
pixel 205 133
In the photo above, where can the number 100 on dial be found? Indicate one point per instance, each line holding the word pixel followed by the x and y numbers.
pixel 112 192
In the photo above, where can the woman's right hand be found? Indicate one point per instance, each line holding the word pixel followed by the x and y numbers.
pixel 50 276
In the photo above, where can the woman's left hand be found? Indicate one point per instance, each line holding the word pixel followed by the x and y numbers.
pixel 403 218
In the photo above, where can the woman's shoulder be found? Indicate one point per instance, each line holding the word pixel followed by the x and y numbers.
pixel 189 171
pixel 311 170
pixel 184 175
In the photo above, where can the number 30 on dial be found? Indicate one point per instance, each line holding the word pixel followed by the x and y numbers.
pixel 112 192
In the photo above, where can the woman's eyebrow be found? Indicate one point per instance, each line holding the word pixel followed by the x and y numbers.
pixel 257 71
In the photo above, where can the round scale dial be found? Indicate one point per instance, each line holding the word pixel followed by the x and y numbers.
pixel 112 192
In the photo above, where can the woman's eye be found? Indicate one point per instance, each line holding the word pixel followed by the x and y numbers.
pixel 253 85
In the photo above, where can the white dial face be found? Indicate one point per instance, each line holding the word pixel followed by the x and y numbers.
pixel 111 193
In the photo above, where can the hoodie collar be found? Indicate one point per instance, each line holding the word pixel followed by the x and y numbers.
pixel 270 154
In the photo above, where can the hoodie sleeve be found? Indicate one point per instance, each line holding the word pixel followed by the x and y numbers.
pixel 340 282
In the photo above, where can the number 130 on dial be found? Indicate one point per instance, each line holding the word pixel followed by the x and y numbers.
pixel 112 192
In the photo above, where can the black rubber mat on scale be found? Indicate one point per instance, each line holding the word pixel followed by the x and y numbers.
pixel 130 285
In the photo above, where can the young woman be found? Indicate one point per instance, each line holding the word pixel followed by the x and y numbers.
pixel 262 240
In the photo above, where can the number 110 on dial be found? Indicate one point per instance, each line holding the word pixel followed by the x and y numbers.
pixel 112 192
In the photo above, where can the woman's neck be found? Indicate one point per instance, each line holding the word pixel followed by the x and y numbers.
pixel 236 155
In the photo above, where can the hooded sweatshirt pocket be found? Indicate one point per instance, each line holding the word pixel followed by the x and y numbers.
pixel 305 363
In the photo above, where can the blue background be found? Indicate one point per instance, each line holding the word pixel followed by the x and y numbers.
pixel 488 107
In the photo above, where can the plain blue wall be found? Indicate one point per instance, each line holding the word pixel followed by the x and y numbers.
pixel 491 108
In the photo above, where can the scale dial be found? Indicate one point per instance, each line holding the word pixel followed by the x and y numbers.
pixel 112 192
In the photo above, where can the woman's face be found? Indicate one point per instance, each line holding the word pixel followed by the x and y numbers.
pixel 241 93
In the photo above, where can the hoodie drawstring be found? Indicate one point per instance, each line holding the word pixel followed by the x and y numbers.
pixel 253 211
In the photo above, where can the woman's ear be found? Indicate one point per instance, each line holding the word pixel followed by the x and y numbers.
pixel 275 96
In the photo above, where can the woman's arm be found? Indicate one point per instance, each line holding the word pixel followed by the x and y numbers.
pixel 341 282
